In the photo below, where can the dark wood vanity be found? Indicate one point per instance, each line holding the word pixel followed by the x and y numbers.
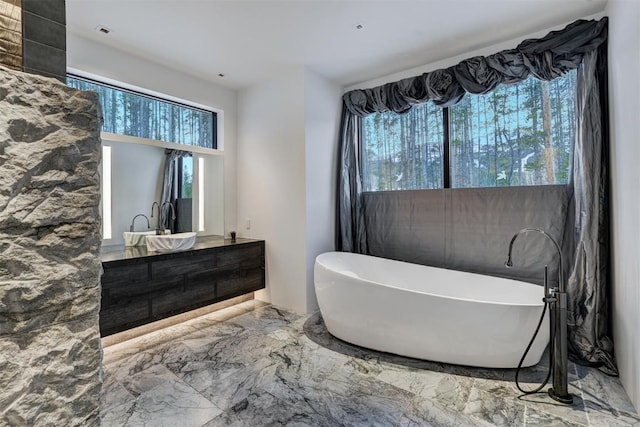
pixel 140 287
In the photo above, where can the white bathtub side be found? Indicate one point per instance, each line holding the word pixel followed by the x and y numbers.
pixel 424 326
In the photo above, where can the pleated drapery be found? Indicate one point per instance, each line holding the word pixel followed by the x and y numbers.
pixel 168 185
pixel 582 46
pixel 546 59
pixel 587 227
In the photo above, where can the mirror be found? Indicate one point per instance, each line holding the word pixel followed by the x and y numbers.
pixel 136 182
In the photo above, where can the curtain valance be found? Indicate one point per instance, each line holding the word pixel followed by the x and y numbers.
pixel 545 58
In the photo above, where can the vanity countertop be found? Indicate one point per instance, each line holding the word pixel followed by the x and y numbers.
pixel 120 252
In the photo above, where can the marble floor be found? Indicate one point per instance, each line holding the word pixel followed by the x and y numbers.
pixel 257 365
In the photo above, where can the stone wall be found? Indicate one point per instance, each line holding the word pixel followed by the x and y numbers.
pixel 50 353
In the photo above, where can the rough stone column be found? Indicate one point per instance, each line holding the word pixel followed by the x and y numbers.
pixel 50 354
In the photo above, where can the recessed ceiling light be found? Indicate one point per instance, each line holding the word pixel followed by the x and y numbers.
pixel 359 27
pixel 102 29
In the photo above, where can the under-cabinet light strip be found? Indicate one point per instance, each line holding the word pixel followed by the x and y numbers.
pixel 200 193
pixel 106 192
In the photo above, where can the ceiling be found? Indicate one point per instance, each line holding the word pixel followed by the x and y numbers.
pixel 249 41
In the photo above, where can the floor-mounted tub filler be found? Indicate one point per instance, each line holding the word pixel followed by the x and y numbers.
pixel 556 297
pixel 429 313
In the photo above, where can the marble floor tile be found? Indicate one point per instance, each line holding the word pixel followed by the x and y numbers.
pixel 255 365
pixel 268 319
pixel 232 389
pixel 574 413
pixel 114 397
pixel 600 393
pixel 209 363
pixel 147 380
pixel 262 408
pixel 132 365
pixel 345 398
pixel 427 412
pixel 539 418
pixel 205 337
pixel 139 344
pixel 169 404
pixel 486 408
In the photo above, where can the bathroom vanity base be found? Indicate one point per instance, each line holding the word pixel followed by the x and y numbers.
pixel 149 287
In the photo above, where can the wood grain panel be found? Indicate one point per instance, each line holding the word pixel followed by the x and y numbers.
pixel 125 275
pixel 182 265
pixel 138 291
pixel 11 33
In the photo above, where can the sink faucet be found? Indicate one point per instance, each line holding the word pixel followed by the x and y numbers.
pixel 557 299
pixel 162 218
pixel 134 220
pixel 155 204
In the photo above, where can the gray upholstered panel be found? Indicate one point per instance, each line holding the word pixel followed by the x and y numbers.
pixel 394 218
pixel 468 229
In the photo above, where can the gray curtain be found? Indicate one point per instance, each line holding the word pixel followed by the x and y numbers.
pixel 351 235
pixel 168 185
pixel 584 229
pixel 587 237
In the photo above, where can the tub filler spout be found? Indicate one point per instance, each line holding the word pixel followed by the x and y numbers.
pixel 556 298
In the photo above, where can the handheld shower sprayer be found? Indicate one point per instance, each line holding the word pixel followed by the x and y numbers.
pixel 556 297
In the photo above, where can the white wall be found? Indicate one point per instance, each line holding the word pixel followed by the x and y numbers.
pixel 624 102
pixel 287 139
pixel 322 117
pixel 91 57
pixel 271 182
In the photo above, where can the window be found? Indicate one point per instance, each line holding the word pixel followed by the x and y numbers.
pixel 184 170
pixel 135 114
pixel 403 152
pixel 516 135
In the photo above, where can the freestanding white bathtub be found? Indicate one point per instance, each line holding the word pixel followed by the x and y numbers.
pixel 429 313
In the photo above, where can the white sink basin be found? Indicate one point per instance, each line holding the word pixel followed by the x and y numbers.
pixel 136 238
pixel 171 242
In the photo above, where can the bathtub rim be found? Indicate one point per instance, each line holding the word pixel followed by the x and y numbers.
pixel 448 297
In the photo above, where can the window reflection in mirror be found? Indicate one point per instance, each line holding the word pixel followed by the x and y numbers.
pixel 183 194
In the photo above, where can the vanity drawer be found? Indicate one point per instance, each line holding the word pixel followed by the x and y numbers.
pixel 125 274
pixel 124 294
pixel 178 301
pixel 118 318
pixel 182 265
pixel 240 254
pixel 241 283
pixel 209 277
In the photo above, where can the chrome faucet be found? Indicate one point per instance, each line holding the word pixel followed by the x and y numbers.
pixel 556 297
pixel 162 217
pixel 134 220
